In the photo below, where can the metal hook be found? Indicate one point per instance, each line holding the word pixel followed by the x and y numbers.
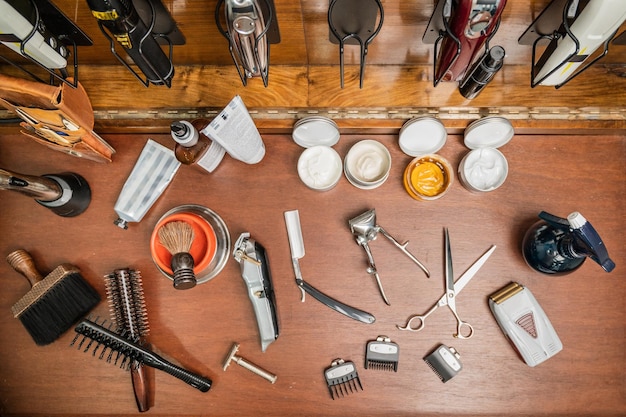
pixel 363 44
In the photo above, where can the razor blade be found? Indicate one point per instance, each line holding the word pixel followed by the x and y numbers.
pixel 445 363
pixel 524 323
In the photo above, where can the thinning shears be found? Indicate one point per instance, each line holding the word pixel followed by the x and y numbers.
pixel 464 330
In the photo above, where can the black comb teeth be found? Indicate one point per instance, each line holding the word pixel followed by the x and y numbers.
pixel 117 344
pixel 123 346
pixel 382 354
pixel 342 378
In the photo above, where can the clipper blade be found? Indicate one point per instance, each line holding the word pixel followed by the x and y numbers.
pixel 382 354
pixel 342 378
pixel 444 361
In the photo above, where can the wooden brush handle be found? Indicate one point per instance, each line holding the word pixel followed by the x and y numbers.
pixel 140 386
pixel 23 263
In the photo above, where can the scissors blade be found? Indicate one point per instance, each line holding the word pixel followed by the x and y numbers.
pixel 469 274
pixel 450 288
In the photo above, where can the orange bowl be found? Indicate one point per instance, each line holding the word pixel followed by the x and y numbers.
pixel 202 249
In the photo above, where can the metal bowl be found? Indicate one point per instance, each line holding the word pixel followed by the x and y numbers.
pixel 222 252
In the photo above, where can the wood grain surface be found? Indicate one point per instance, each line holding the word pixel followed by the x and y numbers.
pixel 196 328
pixel 304 68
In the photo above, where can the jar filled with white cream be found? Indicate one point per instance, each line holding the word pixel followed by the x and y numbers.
pixel 367 164
pixel 320 168
pixel 485 168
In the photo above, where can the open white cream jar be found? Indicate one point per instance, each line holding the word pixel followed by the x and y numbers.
pixel 485 168
pixel 320 168
pixel 367 164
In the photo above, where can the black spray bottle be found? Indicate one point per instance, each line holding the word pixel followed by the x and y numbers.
pixel 558 246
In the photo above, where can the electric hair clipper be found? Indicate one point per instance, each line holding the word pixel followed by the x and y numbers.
pixel 121 19
pixel 246 34
pixel 18 32
pixel 256 274
pixel 470 25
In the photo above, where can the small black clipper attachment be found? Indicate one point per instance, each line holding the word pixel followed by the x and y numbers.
pixel 444 361
pixel 342 378
pixel 121 346
pixel 382 354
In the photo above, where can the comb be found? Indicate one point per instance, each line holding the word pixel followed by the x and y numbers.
pixel 444 361
pixel 342 378
pixel 382 354
pixel 129 350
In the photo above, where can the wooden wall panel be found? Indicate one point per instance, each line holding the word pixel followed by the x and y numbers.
pixel 304 71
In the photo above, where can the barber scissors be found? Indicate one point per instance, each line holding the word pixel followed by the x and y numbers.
pixel 464 330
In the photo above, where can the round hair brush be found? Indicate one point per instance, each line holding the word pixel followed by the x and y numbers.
pixel 128 310
pixel 177 237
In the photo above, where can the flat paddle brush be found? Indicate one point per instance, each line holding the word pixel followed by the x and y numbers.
pixel 177 237
pixel 128 310
pixel 55 302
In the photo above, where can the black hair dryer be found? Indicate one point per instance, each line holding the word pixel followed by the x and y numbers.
pixel 66 194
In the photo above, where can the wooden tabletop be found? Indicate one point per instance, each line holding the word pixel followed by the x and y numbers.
pixel 197 327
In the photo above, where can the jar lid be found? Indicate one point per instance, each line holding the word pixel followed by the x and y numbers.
pixel 315 130
pixel 422 136
pixel 488 132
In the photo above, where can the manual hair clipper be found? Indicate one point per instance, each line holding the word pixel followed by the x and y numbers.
pixel 256 274
pixel 365 229
pixel 524 323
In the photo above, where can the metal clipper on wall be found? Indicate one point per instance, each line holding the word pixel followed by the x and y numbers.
pixel 365 229
pixel 251 28
pixel 256 274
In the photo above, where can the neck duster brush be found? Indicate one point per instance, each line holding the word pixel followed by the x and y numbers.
pixel 128 310
pixel 177 237
pixel 55 302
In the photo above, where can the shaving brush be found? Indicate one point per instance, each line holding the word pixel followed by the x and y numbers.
pixel 177 237
pixel 128 310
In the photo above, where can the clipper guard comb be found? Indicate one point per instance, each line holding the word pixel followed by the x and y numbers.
pixel 444 361
pixel 342 378
pixel 382 354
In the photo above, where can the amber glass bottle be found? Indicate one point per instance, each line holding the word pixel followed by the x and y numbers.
pixel 194 148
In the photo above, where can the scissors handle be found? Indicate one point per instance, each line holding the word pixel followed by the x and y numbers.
pixel 419 324
pixel 420 319
pixel 461 326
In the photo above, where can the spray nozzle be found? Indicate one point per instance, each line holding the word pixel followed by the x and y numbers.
pixel 585 234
